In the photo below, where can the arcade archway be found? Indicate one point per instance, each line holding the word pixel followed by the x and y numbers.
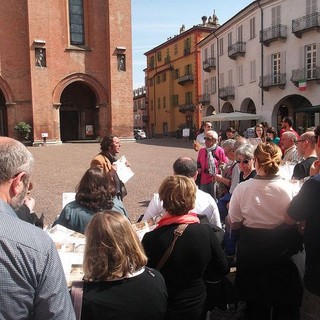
pixel 79 113
pixel 3 116
pixel 300 109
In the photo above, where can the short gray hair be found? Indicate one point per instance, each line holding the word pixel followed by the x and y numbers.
pixel 228 144
pixel 14 158
pixel 246 150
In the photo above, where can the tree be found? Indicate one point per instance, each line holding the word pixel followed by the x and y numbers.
pixel 22 131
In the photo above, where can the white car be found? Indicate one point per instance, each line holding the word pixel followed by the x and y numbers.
pixel 139 134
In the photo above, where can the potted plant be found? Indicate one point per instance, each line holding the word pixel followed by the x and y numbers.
pixel 22 131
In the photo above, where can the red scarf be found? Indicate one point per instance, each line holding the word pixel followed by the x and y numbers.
pixel 168 219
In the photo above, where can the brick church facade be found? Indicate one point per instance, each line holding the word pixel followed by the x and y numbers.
pixel 66 68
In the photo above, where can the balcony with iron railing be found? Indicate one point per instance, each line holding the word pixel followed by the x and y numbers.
pixel 312 74
pixel 186 107
pixel 226 93
pixel 186 78
pixel 237 49
pixel 209 64
pixel 305 24
pixel 271 80
pixel 204 98
pixel 274 33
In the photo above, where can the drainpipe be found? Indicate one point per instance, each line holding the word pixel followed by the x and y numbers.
pixel 217 67
pixel 261 54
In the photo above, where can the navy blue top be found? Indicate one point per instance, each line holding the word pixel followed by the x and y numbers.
pixel 305 206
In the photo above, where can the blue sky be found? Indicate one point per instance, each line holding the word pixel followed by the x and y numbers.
pixel 155 21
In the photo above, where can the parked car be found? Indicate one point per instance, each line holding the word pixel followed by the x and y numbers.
pixel 139 134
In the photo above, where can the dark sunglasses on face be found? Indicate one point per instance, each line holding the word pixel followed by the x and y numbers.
pixel 207 138
pixel 243 161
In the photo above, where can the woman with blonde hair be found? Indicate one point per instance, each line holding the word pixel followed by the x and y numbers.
pixel 266 276
pixel 197 251
pixel 117 285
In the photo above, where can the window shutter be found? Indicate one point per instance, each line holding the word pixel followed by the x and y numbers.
pixel 283 62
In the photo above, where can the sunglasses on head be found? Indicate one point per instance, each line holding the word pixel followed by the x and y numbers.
pixel 246 161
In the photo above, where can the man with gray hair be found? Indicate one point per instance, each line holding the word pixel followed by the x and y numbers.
pixel 205 205
pixel 288 144
pixel 33 285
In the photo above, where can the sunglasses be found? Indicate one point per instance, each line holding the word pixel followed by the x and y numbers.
pixel 243 161
pixel 207 139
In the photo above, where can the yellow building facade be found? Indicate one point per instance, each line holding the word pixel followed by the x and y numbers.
pixel 173 80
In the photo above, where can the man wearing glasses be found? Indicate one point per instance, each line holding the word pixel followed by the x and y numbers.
pixel 306 149
pixel 305 207
pixel 200 137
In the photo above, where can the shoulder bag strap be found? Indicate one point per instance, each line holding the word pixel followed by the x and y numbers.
pixel 177 233
pixel 76 296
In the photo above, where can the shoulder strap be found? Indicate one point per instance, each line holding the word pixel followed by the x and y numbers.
pixel 177 233
pixel 76 296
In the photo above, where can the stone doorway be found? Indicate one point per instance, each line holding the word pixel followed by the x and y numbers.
pixel 79 114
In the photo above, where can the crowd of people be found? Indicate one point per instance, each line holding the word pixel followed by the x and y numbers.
pixel 228 208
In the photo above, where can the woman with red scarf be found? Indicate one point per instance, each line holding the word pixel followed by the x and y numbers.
pixel 197 252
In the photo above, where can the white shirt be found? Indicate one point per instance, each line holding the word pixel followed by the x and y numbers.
pixel 200 139
pixel 235 177
pixel 260 203
pixel 205 205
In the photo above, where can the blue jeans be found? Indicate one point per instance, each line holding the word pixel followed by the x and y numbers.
pixel 222 206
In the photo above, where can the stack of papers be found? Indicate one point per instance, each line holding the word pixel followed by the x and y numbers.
pixel 70 246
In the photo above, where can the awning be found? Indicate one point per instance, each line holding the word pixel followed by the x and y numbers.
pixel 232 116
pixel 308 109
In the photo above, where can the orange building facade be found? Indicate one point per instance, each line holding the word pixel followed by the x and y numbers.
pixel 173 80
pixel 66 68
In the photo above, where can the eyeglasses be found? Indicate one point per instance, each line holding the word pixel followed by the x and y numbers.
pixel 246 161
pixel 207 138
pixel 300 141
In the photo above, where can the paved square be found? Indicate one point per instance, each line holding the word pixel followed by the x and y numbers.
pixel 59 169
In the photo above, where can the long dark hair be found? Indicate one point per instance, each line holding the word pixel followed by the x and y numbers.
pixel 96 190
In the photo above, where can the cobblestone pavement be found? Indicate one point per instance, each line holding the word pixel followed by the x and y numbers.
pixel 59 168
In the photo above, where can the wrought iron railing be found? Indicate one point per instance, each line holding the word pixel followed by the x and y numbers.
pixel 305 74
pixel 204 98
pixel 226 92
pixel 309 21
pixel 186 107
pixel 274 32
pixel 209 64
pixel 185 78
pixel 238 48
pixel 271 80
